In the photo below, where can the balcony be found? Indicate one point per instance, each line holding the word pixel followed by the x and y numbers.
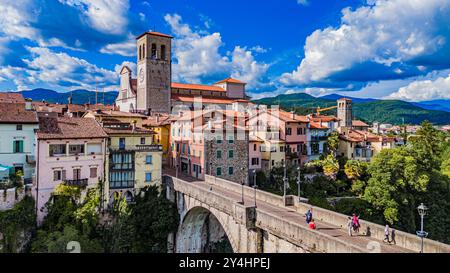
pixel 138 148
pixel 77 182
pixel 319 138
pixel 124 184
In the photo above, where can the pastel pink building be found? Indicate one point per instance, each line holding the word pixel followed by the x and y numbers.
pixel 70 151
pixel 293 130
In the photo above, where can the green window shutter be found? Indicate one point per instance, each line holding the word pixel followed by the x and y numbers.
pixel 20 146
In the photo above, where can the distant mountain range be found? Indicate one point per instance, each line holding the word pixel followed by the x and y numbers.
pixel 368 110
pixel 79 96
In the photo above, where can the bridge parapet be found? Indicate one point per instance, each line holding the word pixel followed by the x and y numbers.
pixel 242 214
pixel 375 231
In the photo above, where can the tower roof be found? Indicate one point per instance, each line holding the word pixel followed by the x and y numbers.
pixel 155 34
pixel 230 80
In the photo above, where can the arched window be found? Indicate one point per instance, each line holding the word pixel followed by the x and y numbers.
pixel 163 52
pixel 154 54
pixel 143 51
pixel 140 52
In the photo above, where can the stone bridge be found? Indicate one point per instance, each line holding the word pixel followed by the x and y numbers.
pixel 211 212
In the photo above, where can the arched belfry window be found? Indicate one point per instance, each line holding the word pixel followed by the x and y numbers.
pixel 140 52
pixel 143 52
pixel 154 55
pixel 163 52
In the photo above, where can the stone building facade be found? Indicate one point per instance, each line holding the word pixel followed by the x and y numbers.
pixel 227 158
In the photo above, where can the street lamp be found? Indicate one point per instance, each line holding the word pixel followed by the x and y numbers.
pixel 422 209
pixel 284 183
pixel 254 187
pixel 254 184
pixel 242 188
pixel 298 183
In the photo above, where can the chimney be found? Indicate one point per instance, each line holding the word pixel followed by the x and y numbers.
pixel 293 114
pixel 28 105
pixel 157 118
pixel 133 125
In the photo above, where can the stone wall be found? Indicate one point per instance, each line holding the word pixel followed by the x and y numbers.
pixel 239 162
pixel 9 197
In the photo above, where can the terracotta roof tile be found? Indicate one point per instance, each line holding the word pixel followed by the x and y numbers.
pixel 154 33
pixel 16 113
pixel 11 97
pixel 200 87
pixel 359 123
pixel 205 99
pixel 69 128
pixel 317 125
pixel 230 80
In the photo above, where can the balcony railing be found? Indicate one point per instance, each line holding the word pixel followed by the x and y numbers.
pixel 77 182
pixel 138 148
pixel 124 184
pixel 318 138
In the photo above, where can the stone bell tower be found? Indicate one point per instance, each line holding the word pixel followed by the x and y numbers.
pixel 154 72
pixel 344 112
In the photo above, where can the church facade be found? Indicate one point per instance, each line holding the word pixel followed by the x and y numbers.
pixel 153 90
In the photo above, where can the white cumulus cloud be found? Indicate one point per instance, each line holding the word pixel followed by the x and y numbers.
pixel 422 90
pixel 58 69
pixel 382 32
pixel 197 55
pixel 126 48
pixel 107 16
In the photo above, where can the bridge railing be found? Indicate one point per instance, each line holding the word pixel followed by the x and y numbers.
pixel 376 231
pixel 295 233
pixel 403 239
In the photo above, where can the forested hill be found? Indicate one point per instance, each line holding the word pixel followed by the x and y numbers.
pixel 385 111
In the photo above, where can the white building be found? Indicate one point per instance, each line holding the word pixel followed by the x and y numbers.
pixel 18 123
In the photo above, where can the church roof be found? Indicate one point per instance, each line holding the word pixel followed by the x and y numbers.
pixel 200 87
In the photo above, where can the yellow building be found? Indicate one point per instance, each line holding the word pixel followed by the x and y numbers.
pixel 134 158
pixel 160 124
pixel 362 145
pixel 273 154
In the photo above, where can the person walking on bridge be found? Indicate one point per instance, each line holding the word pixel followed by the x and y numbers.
pixel 349 226
pixel 312 224
pixel 386 234
pixel 355 223
pixel 308 216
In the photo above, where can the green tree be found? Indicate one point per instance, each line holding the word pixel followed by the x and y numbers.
pixel 396 178
pixel 15 223
pixel 356 172
pixel 57 241
pixel 154 218
pixel 333 143
pixel 330 167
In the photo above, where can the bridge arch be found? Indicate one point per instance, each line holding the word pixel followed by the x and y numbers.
pixel 202 231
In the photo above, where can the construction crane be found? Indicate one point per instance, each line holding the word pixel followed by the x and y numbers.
pixel 318 110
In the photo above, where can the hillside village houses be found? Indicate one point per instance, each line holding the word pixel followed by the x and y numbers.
pixel 157 124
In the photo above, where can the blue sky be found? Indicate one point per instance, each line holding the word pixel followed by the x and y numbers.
pixel 396 49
